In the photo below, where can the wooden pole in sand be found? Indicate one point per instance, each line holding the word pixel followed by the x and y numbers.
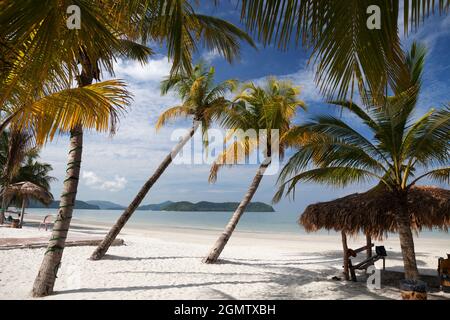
pixel 345 247
pixel 369 246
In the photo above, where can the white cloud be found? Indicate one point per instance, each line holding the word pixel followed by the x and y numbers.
pixel 154 70
pixel 92 180
pixel 210 56
pixel 304 78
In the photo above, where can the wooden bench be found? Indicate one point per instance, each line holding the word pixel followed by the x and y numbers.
pixel 363 265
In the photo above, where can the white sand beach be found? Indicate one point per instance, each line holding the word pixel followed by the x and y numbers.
pixel 165 263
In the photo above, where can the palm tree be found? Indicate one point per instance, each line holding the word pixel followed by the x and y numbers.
pixel 272 107
pixel 345 51
pixel 202 101
pixel 18 160
pixel 14 147
pixel 39 53
pixel 34 171
pixel 49 54
pixel 397 151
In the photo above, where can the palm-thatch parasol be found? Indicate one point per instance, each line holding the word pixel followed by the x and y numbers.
pixel 26 191
pixel 374 213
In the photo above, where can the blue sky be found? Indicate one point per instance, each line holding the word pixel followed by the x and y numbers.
pixel 115 168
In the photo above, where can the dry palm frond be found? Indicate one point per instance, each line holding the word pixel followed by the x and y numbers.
pixel 374 212
pixel 96 106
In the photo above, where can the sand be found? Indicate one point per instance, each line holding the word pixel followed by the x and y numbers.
pixel 165 263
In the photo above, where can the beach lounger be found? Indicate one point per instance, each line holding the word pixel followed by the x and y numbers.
pixel 363 265
pixel 444 273
pixel 47 220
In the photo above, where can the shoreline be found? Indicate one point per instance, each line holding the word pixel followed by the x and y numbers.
pixel 166 263
pixel 134 226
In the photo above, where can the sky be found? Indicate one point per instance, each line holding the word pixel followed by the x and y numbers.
pixel 115 168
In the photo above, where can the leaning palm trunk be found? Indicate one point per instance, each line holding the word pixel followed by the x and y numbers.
pixel 45 280
pixel 407 242
pixel 22 212
pixel 225 236
pixel 101 250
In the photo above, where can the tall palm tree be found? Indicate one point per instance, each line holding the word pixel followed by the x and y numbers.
pixel 394 148
pixel 34 171
pixel 18 160
pixel 106 109
pixel 346 52
pixel 15 145
pixel 272 107
pixel 46 56
pixel 202 101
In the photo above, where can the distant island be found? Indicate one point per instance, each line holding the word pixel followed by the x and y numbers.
pixel 55 205
pixel 105 205
pixel 164 206
pixel 206 206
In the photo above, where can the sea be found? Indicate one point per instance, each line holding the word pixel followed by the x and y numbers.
pixel 284 222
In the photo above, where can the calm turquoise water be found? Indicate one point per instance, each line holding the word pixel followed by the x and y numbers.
pixel 275 222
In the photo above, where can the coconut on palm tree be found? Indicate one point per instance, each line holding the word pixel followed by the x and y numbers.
pixel 261 110
pixel 202 101
pixel 396 149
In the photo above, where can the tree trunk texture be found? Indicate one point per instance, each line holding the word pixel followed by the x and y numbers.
pixel 2 212
pixel 407 241
pixel 22 212
pixel 221 242
pixel 101 250
pixel 3 208
pixel 369 246
pixel 45 280
pixel 345 248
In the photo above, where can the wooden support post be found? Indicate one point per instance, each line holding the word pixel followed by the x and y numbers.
pixel 345 247
pixel 369 245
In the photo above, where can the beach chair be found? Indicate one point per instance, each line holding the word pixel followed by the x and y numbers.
pixel 444 273
pixel 47 220
pixel 363 265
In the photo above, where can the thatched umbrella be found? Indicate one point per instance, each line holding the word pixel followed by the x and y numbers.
pixel 374 213
pixel 26 191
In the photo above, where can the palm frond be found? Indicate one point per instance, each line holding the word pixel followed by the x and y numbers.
pixel 96 106
pixel 336 176
pixel 172 113
pixel 237 152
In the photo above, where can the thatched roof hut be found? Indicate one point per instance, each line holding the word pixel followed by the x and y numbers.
pixel 28 190
pixel 24 191
pixel 373 212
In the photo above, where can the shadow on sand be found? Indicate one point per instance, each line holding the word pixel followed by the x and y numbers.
pixel 282 278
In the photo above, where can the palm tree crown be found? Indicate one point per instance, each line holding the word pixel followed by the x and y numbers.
pixel 269 107
pixel 400 151
pixel 202 98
